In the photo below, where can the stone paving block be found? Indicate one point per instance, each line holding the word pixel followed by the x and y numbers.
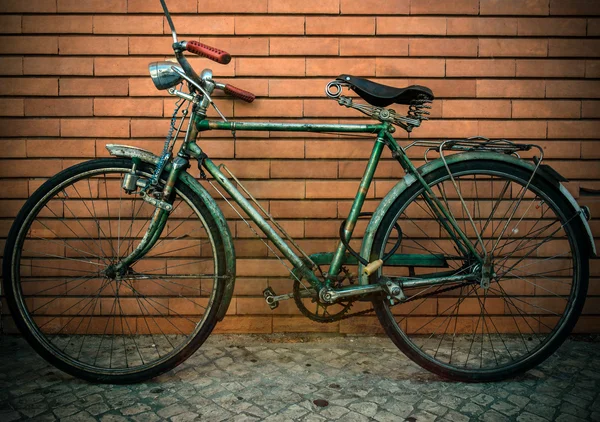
pixel 246 378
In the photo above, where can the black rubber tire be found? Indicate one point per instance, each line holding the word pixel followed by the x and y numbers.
pixel 578 242
pixel 12 287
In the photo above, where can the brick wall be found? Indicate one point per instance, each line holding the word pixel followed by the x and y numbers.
pixel 73 77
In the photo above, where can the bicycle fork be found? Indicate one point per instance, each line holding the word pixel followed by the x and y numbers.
pixel 159 217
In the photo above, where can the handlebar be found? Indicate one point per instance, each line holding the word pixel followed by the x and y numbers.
pixel 239 93
pixel 207 51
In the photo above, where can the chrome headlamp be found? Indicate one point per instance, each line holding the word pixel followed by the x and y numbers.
pixel 163 76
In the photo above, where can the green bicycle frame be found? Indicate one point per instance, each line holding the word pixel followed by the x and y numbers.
pixel 384 138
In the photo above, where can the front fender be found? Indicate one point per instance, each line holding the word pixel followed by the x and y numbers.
pixel 211 205
pixel 434 165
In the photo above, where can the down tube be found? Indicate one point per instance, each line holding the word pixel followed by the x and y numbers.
pixel 261 222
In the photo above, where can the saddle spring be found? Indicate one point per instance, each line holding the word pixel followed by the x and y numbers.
pixel 418 108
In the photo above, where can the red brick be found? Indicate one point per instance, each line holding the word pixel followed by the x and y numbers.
pixel 573 89
pixel 11 66
pixel 58 66
pixel 285 25
pixel 476 108
pixel 335 189
pixel 269 108
pixel 269 149
pixel 411 26
pixel 33 6
pixel 107 24
pixel 573 129
pixel 482 26
pixel 57 24
pixel 327 108
pixel 590 109
pixel 29 168
pixel 574 48
pixel 303 209
pixel 11 107
pixel 61 148
pixel 446 129
pixel 592 68
pixel 546 109
pixel 516 129
pixel 340 25
pixel 269 67
pixel 305 6
pixel 502 88
pixel 86 46
pixel 58 107
pixel 121 66
pixel 443 47
pixel 373 47
pixel 574 7
pixel 366 7
pixel 23 86
pixel 175 6
pixel 93 86
pixel 448 88
pixel 513 7
pixel 97 127
pixel 245 324
pixel 338 149
pixel 443 7
pixel 303 87
pixel 10 24
pixel 200 25
pixel 334 67
pixel 304 169
pixel 478 68
pixel 550 68
pixel 128 107
pixel 28 45
pixel 243 46
pixel 276 189
pixel 28 127
pixel 501 47
pixel 410 67
pixel 293 324
pixel 92 6
pixel 286 46
pixel 552 26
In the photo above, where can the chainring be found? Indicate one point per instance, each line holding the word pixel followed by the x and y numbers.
pixel 321 313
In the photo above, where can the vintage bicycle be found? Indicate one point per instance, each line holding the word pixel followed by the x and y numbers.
pixel 476 263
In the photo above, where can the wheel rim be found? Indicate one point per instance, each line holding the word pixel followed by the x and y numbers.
pixel 470 328
pixel 80 312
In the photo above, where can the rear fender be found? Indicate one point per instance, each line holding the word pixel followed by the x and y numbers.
pixel 550 175
pixel 211 205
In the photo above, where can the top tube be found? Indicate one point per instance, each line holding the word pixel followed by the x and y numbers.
pixel 203 125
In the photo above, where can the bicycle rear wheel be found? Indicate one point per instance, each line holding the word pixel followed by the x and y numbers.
pixel 538 266
pixel 81 316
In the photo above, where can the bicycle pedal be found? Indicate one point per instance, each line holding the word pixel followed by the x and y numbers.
pixel 269 295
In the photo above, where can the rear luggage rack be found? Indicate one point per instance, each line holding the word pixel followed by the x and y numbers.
pixel 475 143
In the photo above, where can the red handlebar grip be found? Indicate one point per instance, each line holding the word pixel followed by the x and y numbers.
pixel 239 93
pixel 207 51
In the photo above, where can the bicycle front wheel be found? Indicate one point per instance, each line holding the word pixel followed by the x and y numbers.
pixel 74 309
pixel 538 272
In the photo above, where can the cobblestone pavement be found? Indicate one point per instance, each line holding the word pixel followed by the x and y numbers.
pixel 246 378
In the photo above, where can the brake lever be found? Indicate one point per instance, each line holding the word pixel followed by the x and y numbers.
pixel 202 90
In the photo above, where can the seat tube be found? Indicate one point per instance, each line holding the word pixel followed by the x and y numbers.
pixel 359 200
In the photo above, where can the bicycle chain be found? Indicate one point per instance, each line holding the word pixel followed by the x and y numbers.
pixel 366 311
